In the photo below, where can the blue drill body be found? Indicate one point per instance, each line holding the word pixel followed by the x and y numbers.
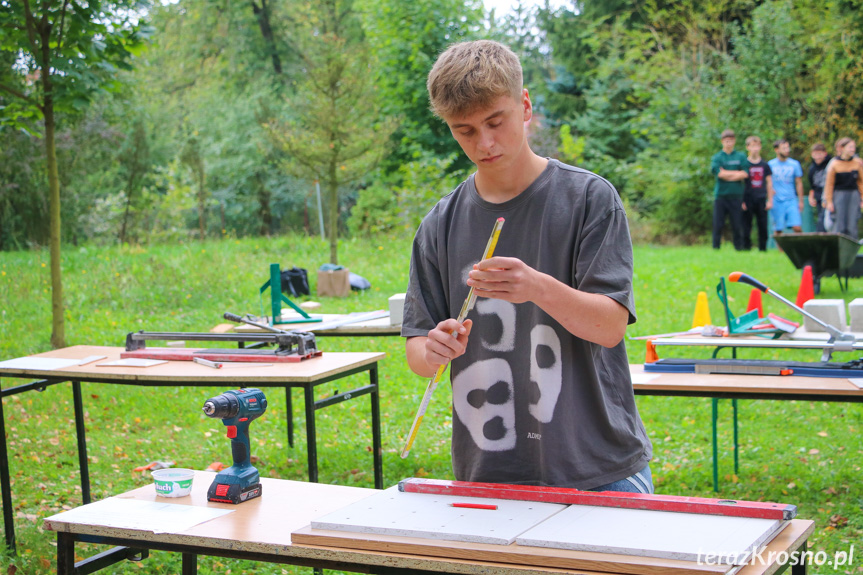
pixel 237 409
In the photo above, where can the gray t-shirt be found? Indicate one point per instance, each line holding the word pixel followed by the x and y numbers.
pixel 532 403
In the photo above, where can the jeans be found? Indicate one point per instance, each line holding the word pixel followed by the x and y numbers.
pixel 641 482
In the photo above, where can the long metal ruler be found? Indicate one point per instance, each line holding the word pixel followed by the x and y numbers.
pixel 652 502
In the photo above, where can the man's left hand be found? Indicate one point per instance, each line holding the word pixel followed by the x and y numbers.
pixel 509 279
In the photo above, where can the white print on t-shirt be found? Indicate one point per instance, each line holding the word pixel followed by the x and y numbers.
pixel 506 312
pixel 484 392
pixel 482 396
pixel 783 172
pixel 546 371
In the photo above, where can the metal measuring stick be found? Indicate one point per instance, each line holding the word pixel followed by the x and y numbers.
pixel 465 308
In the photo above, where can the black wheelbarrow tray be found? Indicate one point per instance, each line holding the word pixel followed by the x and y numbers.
pixel 828 253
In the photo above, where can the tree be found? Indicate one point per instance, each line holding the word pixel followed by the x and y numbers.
pixel 135 157
pixel 65 52
pixel 763 83
pixel 333 129
pixel 406 38
pixel 191 156
pixel 221 69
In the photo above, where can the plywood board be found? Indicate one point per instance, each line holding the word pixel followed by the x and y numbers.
pixel 392 512
pixel 537 557
pixel 683 536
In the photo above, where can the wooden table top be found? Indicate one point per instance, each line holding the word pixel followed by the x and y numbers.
pixel 306 371
pixel 265 525
pixel 735 383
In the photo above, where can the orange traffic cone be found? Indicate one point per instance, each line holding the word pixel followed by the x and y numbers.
pixel 701 317
pixel 755 302
pixel 807 288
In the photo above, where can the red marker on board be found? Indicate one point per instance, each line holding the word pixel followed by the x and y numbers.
pixel 475 506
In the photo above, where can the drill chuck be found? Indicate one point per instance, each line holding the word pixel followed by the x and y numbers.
pixel 222 406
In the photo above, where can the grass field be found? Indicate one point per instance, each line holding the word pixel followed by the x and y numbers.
pixel 804 453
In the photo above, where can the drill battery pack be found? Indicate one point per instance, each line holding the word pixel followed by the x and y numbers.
pixel 232 492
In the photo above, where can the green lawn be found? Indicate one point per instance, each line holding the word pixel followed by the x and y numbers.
pixel 808 454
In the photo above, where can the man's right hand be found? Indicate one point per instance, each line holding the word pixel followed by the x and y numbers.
pixel 441 347
pixel 426 354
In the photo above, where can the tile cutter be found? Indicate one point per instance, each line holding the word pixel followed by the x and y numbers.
pixel 293 346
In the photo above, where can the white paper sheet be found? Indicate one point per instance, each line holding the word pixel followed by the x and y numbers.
pixel 43 363
pixel 152 516
pixel 857 381
pixel 132 362
pixel 643 377
pixel 91 359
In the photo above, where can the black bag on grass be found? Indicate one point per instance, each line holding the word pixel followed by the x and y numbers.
pixel 295 282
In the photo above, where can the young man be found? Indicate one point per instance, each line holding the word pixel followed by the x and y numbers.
pixel 755 202
pixel 787 187
pixel 729 167
pixel 541 388
pixel 816 175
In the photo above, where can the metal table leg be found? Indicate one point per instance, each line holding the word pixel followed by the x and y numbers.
pixel 715 450
pixel 801 566
pixel 376 429
pixel 65 554
pixel 736 443
pixel 311 428
pixel 82 441
pixel 6 486
pixel 289 408
pixel 190 564
pixel 311 432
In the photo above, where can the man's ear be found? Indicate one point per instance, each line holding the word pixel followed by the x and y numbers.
pixel 527 105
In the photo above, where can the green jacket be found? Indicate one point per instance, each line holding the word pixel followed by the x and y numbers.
pixel 733 161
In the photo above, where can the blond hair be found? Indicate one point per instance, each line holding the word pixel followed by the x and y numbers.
pixel 471 75
pixel 751 139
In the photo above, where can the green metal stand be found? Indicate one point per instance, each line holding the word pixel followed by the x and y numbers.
pixel 715 416
pixel 277 297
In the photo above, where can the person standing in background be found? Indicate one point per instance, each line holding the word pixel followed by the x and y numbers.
pixel 787 196
pixel 755 196
pixel 729 168
pixel 843 186
pixel 817 173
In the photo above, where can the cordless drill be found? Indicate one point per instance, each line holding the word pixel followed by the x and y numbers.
pixel 237 409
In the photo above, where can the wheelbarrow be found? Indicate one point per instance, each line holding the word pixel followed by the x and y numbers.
pixel 829 253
